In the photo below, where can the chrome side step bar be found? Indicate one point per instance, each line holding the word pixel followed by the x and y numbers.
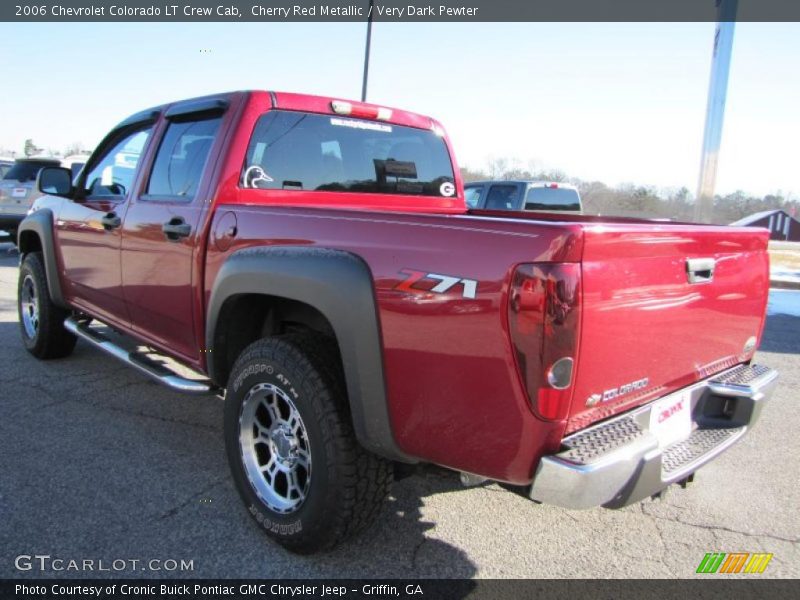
pixel 144 364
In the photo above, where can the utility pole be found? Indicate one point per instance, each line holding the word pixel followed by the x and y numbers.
pixel 366 52
pixel 715 109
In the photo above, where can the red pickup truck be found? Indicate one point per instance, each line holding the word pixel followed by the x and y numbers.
pixel 312 261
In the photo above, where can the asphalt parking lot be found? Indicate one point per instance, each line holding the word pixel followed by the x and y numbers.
pixel 99 463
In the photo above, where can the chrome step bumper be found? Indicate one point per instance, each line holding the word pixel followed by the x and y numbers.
pixel 157 371
pixel 619 462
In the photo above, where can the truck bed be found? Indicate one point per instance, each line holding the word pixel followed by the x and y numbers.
pixel 640 318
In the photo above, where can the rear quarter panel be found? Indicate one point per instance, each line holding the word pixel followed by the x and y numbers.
pixel 454 395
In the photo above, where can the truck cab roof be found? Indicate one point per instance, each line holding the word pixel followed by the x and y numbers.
pixel 528 182
pixel 289 101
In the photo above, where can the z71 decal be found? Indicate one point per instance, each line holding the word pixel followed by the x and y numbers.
pixel 443 285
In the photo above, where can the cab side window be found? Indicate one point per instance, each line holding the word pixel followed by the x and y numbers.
pixel 181 158
pixel 113 174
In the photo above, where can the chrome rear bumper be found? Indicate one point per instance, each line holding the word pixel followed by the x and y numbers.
pixel 619 461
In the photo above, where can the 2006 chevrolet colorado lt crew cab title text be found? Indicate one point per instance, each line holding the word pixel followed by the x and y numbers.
pixel 312 260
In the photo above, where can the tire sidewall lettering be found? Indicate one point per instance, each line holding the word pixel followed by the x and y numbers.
pixel 272 526
pixel 254 369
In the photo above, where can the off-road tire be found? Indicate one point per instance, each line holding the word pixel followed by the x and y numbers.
pixel 347 485
pixel 49 339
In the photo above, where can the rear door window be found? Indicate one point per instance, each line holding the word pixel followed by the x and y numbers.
pixel 181 158
pixel 303 151
pixel 502 197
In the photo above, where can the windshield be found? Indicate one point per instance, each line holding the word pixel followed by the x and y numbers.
pixel 302 151
pixel 26 170
pixel 546 198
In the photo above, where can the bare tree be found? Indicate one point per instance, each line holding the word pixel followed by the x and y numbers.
pixel 74 148
pixel 497 167
pixel 632 200
pixel 468 175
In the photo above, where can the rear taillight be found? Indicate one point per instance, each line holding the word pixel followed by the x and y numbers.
pixel 543 319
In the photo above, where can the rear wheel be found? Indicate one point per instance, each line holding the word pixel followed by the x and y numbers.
pixel 291 447
pixel 41 321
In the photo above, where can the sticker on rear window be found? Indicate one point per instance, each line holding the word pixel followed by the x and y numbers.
pixel 361 125
pixel 447 189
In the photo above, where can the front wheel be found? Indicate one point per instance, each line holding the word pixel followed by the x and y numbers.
pixel 41 321
pixel 291 447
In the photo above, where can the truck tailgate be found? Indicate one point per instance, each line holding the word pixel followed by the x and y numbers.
pixel 646 329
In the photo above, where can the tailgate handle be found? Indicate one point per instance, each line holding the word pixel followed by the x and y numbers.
pixel 700 270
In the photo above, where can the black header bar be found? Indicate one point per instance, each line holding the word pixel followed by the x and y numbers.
pixel 475 11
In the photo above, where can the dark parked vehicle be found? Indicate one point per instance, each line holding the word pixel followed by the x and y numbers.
pixel 545 196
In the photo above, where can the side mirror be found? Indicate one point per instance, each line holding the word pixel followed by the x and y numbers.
pixel 54 180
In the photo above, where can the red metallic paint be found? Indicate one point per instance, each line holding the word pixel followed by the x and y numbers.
pixel 90 255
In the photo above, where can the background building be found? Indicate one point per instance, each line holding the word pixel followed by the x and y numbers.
pixel 782 226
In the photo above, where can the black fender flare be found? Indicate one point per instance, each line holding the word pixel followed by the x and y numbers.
pixel 339 285
pixel 41 223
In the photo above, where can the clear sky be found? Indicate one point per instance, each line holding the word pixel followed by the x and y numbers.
pixel 611 102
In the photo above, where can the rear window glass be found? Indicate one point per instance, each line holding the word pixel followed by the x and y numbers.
pixel 301 151
pixel 545 198
pixel 26 170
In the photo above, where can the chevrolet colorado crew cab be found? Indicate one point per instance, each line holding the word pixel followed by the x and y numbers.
pixel 312 261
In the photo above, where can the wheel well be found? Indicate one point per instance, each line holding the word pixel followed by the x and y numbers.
pixel 245 318
pixel 29 242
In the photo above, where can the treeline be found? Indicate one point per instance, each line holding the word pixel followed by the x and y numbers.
pixel 31 149
pixel 641 201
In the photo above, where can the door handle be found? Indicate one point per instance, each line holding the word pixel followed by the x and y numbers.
pixel 700 270
pixel 176 228
pixel 111 221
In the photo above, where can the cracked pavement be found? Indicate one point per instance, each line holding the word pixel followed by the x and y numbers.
pixel 100 463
